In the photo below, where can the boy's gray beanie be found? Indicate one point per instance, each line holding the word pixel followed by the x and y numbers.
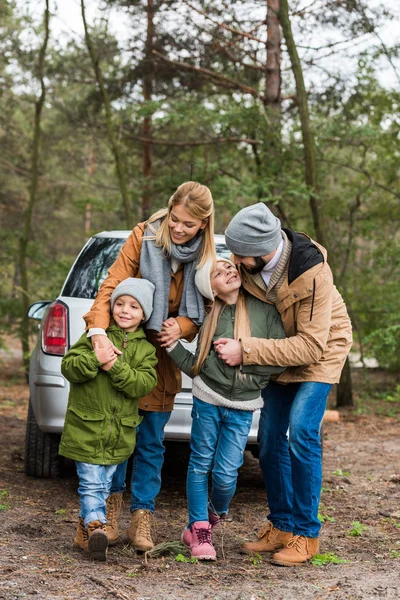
pixel 254 231
pixel 141 289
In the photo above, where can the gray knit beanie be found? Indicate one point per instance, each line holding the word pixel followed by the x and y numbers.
pixel 141 289
pixel 254 231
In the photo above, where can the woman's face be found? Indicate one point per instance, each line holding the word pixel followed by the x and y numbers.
pixel 225 279
pixel 182 226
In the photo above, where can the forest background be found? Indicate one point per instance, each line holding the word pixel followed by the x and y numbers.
pixel 293 103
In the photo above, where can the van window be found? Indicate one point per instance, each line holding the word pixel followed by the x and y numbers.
pixel 91 267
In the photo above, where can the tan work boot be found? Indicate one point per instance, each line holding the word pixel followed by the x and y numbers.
pixel 98 540
pixel 139 532
pixel 113 503
pixel 297 552
pixel 270 538
pixel 81 538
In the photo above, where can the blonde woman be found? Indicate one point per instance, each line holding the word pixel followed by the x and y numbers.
pixel 224 398
pixel 166 250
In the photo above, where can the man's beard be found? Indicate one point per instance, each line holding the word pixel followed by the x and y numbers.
pixel 258 267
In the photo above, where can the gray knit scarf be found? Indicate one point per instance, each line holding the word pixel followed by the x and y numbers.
pixel 155 265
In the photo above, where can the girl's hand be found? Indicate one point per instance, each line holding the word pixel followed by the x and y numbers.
pixel 170 333
pixel 101 342
pixel 104 354
pixel 107 366
pixel 230 351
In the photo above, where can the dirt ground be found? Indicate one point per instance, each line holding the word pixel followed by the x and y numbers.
pixel 361 484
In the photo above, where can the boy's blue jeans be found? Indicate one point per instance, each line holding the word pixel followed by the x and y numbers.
pixel 94 489
pixel 148 460
pixel 218 439
pixel 292 466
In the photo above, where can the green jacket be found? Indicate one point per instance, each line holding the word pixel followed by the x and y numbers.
pixel 229 381
pixel 102 413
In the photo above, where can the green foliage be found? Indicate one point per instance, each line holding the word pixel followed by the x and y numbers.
pixel 341 473
pixel 255 559
pixel 321 560
pixel 357 529
pixel 185 559
pixel 4 505
pixel 384 345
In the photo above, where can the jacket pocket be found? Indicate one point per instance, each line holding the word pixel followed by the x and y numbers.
pixel 84 429
pixel 127 434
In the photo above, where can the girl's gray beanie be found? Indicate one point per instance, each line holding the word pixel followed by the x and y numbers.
pixel 253 231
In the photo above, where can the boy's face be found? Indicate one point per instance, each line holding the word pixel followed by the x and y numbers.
pixel 127 313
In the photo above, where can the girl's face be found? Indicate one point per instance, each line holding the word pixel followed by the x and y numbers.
pixel 182 226
pixel 127 313
pixel 224 279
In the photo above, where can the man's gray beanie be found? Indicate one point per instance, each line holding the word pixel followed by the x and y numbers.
pixel 141 289
pixel 254 231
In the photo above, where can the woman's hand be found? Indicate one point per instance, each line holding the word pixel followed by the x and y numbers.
pixel 104 348
pixel 170 332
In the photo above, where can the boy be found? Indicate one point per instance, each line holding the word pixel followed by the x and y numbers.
pixel 102 413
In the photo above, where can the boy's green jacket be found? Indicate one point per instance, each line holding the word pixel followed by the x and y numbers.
pixel 265 322
pixel 102 413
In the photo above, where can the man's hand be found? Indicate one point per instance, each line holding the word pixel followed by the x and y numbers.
pixel 170 332
pixel 107 366
pixel 230 351
pixel 106 353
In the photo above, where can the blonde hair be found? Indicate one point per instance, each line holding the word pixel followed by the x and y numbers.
pixel 241 328
pixel 198 201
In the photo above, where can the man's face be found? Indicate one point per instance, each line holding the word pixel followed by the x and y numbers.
pixel 252 264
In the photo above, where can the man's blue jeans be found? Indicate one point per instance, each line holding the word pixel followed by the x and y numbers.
pixel 148 460
pixel 292 466
pixel 94 489
pixel 218 439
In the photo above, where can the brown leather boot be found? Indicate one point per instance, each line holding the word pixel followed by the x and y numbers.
pixel 98 540
pixel 81 538
pixel 297 552
pixel 270 538
pixel 139 532
pixel 113 503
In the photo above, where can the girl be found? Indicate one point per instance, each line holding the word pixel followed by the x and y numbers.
pixel 224 398
pixel 166 249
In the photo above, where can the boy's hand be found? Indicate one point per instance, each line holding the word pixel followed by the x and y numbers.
pixel 230 351
pixel 107 366
pixel 102 341
pixel 105 354
pixel 170 333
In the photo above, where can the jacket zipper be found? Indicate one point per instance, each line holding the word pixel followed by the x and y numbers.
pixel 124 344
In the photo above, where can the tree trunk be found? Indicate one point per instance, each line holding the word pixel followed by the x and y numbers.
pixel 273 62
pixel 26 231
pixel 310 169
pixel 91 169
pixel 344 392
pixel 119 165
pixel 147 121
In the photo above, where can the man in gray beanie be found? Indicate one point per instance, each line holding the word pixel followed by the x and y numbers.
pixel 290 270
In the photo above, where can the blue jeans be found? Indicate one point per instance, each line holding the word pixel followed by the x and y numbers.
pixel 292 466
pixel 218 439
pixel 94 489
pixel 148 460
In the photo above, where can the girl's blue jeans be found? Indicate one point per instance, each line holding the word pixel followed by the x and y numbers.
pixel 94 489
pixel 218 439
pixel 148 460
pixel 292 464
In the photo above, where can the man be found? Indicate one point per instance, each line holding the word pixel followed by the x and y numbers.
pixel 290 270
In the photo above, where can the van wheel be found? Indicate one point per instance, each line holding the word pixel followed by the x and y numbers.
pixel 41 458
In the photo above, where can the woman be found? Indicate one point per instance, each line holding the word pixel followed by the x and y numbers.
pixel 166 250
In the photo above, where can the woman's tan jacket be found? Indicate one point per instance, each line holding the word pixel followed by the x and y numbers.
pixel 128 265
pixel 316 323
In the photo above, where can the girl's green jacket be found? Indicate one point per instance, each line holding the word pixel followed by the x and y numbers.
pixel 102 413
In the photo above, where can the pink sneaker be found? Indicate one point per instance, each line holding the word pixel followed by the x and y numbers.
pixel 199 539
pixel 214 519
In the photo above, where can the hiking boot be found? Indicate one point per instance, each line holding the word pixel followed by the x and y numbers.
pixel 214 519
pixel 297 552
pixel 270 538
pixel 113 503
pixel 81 538
pixel 98 540
pixel 139 532
pixel 198 538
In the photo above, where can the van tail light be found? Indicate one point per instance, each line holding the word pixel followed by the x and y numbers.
pixel 54 330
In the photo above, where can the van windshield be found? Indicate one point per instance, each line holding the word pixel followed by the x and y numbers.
pixel 91 267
